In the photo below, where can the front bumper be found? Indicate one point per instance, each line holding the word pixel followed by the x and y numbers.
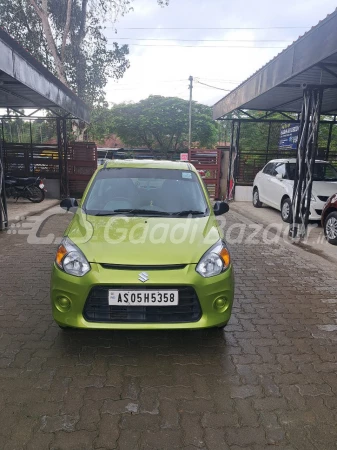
pixel 77 289
pixel 316 209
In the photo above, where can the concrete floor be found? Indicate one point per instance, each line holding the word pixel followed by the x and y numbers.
pixel 267 382
pixel 315 244
pixel 18 210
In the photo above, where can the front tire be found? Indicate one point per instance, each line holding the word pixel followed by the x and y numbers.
pixel 37 196
pixel 330 228
pixel 286 211
pixel 256 199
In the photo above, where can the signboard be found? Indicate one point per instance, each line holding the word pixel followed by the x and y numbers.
pixel 289 136
pixel 183 156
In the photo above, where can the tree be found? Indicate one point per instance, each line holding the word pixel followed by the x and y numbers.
pixel 67 37
pixel 162 123
pixel 101 124
pixel 256 136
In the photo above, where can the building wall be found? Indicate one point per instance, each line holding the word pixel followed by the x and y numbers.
pixel 53 188
pixel 243 193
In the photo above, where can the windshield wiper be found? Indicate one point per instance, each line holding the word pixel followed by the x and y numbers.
pixel 141 211
pixel 133 211
pixel 189 212
pixel 101 214
pixel 151 212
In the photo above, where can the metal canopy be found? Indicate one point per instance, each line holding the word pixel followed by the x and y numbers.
pixel 278 86
pixel 25 83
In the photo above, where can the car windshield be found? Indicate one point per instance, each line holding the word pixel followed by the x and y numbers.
pixel 322 172
pixel 146 192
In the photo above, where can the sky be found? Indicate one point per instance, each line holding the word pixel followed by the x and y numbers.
pixel 163 59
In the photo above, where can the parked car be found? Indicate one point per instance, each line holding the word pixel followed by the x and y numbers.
pixel 101 161
pixel 274 185
pixel 329 219
pixel 143 251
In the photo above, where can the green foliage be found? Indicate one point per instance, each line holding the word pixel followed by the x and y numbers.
pixel 75 48
pixel 162 123
pixel 254 136
pixel 101 125
pixel 23 24
pixel 323 137
pixel 23 131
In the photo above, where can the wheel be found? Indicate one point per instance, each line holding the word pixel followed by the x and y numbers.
pixel 286 211
pixel 37 194
pixel 256 199
pixel 330 228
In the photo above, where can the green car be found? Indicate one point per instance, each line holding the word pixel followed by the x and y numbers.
pixel 143 251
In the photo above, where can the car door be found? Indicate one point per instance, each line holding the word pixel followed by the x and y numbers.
pixel 265 182
pixel 277 186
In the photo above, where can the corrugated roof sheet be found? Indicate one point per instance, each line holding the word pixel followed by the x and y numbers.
pixel 290 48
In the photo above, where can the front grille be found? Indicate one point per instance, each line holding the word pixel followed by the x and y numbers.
pixel 323 198
pixel 141 268
pixel 97 308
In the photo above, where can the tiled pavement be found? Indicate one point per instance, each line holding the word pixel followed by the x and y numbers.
pixel 268 382
pixel 21 208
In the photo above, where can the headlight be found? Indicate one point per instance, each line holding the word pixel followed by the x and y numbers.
pixel 215 261
pixel 70 259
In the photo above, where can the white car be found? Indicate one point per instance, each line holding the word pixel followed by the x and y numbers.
pixel 274 185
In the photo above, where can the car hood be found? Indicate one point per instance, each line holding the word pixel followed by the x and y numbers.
pixel 143 240
pixel 325 188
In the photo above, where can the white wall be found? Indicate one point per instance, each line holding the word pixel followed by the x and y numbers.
pixel 243 193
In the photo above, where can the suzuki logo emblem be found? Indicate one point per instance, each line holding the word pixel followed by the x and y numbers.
pixel 143 277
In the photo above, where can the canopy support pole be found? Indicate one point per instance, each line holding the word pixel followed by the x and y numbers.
pixel 3 200
pixel 233 155
pixel 306 155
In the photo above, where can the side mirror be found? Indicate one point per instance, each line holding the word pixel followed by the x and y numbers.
pixel 69 203
pixel 279 176
pixel 220 208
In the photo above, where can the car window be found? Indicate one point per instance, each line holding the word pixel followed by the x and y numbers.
pixel 322 172
pixel 160 190
pixel 280 169
pixel 269 169
pixel 291 171
pixel 325 172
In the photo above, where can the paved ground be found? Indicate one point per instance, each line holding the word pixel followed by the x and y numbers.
pixel 17 210
pixel 268 382
pixel 316 242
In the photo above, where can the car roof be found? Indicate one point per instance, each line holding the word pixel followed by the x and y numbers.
pixel 148 164
pixel 292 160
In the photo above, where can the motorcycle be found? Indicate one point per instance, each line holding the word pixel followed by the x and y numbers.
pixel 31 188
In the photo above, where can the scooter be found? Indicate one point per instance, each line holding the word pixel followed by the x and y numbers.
pixel 31 188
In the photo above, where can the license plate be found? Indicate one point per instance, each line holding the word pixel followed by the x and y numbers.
pixel 143 298
pixel 41 185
